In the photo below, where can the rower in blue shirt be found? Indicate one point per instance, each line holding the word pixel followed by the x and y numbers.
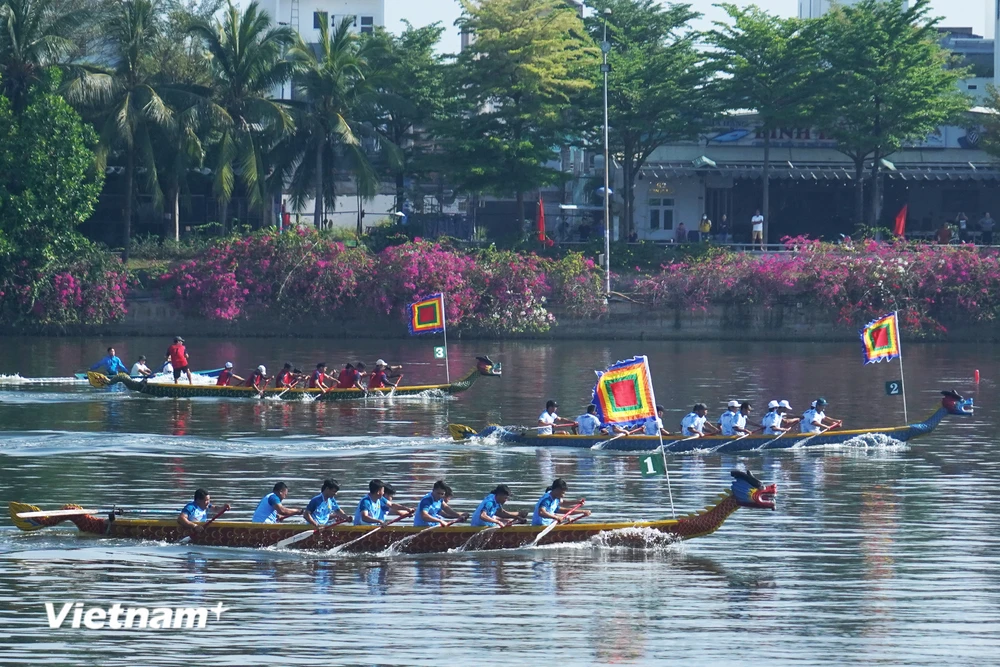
pixel 270 509
pixel 432 510
pixel 111 365
pixel 548 505
pixel 491 511
pixel 376 505
pixel 196 512
pixel 319 510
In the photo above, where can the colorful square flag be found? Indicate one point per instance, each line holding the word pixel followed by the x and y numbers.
pixel 624 393
pixel 427 315
pixel 880 339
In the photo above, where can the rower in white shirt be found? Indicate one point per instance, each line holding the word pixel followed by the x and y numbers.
pixel 771 421
pixel 588 423
pixel 695 423
pixel 814 420
pixel 733 421
pixel 140 369
pixel 548 421
pixel 652 425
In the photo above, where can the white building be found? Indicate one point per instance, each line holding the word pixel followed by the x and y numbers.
pixel 306 16
pixel 813 9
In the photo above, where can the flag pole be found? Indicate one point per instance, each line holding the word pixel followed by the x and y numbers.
pixel 666 473
pixel 902 382
pixel 447 357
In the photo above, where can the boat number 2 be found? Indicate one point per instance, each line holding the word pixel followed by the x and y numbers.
pixel 893 388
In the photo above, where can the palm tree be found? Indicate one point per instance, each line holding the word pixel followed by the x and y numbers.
pixel 247 63
pixel 131 104
pixel 331 79
pixel 34 35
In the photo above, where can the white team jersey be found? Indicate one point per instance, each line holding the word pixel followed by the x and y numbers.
pixel 808 417
pixel 770 421
pixel 587 424
pixel 692 424
pixel 740 420
pixel 548 419
pixel 727 421
pixel 652 426
pixel 139 368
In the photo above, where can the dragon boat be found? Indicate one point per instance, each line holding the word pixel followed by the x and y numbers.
pixel 951 404
pixel 745 491
pixel 484 367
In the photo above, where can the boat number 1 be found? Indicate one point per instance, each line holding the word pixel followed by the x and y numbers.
pixel 650 468
pixel 893 388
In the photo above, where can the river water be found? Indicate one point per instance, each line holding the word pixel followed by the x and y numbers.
pixel 878 552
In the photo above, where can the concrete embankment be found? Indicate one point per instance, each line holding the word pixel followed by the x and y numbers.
pixel 151 314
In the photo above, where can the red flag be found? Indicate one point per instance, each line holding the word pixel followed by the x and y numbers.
pixel 900 228
pixel 541 219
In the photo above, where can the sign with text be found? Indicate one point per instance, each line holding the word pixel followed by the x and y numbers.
pixel 652 465
pixel 894 388
pixel 439 353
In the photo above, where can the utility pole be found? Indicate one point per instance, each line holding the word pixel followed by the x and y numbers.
pixel 605 68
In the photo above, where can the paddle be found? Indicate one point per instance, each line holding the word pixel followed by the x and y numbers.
pixel 820 432
pixel 372 532
pixel 392 391
pixel 305 534
pixel 552 525
pixel 42 514
pixel 185 540
pixel 768 443
pixel 288 387
pixel 603 443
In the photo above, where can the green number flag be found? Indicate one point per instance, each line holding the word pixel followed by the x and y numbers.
pixel 652 465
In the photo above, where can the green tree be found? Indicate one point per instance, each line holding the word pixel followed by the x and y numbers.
pixel 48 180
pixel 331 80
pixel 771 65
pixel 129 99
pixel 34 35
pixel 514 90
pixel 246 55
pixel 888 82
pixel 408 78
pixel 656 88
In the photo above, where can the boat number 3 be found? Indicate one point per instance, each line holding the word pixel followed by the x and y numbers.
pixel 893 388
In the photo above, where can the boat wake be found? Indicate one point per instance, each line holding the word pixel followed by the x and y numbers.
pixel 866 441
pixel 635 537
pixel 16 380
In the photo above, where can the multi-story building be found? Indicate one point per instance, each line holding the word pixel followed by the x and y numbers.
pixel 306 16
pixel 813 9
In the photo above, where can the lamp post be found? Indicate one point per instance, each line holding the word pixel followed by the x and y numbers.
pixel 605 68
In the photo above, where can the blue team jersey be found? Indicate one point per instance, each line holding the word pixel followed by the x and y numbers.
pixel 549 504
pixel 432 506
pixel 266 512
pixel 195 513
pixel 321 508
pixel 377 509
pixel 490 506
pixel 111 365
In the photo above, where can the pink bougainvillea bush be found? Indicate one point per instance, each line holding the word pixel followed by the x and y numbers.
pixel 932 287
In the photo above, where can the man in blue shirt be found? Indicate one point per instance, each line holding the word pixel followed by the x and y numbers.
pixel 195 513
pixel 110 365
pixel 491 511
pixel 377 504
pixel 548 505
pixel 319 510
pixel 270 508
pixel 432 510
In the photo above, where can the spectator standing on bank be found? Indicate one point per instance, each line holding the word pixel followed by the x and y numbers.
pixel 986 224
pixel 962 222
pixel 943 234
pixel 681 234
pixel 725 234
pixel 704 228
pixel 757 222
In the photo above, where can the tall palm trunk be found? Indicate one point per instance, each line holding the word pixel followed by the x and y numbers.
pixel 129 174
pixel 176 204
pixel 318 210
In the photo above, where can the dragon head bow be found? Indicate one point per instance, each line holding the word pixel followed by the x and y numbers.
pixel 751 492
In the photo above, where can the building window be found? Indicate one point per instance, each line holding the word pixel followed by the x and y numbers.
pixel 661 214
pixel 319 20
pixel 367 24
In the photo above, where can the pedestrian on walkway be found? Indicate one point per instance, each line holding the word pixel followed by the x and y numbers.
pixel 986 225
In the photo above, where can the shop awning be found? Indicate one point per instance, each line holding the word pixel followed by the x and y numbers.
pixel 968 171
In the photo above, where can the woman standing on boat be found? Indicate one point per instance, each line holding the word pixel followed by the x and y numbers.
pixel 548 505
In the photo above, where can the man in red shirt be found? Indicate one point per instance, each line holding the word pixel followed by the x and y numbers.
pixel 351 377
pixel 287 377
pixel 380 377
pixel 226 376
pixel 319 378
pixel 258 380
pixel 179 359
